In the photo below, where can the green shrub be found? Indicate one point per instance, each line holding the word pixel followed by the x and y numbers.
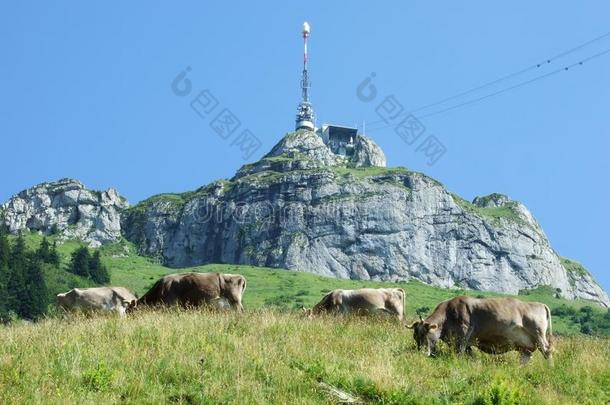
pixel 98 377
pixel 499 393
pixel 422 311
pixel 586 328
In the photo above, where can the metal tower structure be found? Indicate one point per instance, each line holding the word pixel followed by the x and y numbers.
pixel 305 115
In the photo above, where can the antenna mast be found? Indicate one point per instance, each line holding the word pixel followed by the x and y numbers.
pixel 305 114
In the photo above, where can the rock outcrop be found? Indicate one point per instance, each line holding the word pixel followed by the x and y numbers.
pixel 303 150
pixel 304 208
pixel 68 208
pixel 367 153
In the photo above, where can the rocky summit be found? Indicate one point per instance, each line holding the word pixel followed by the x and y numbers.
pixel 68 208
pixel 306 208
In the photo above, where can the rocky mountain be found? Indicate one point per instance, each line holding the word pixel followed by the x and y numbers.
pixel 305 208
pixel 68 208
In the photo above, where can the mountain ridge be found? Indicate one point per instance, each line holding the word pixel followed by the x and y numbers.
pixel 303 207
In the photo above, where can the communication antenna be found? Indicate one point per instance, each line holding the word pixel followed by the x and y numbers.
pixel 305 115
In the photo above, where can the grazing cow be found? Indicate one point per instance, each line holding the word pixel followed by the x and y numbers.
pixel 494 325
pixel 96 299
pixel 364 300
pixel 194 289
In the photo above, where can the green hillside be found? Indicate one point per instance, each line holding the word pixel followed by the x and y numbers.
pixel 290 290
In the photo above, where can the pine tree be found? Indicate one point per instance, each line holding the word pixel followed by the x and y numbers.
pixel 5 254
pixel 43 253
pixel 17 293
pixel 54 255
pixel 99 273
pixel 80 262
pixel 25 291
pixel 35 303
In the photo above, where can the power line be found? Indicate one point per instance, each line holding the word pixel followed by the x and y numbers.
pixel 544 76
pixel 501 79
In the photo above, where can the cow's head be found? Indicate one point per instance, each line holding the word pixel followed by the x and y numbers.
pixel 232 287
pixel 307 312
pixel 66 300
pixel 425 334
pixel 130 306
pixel 61 299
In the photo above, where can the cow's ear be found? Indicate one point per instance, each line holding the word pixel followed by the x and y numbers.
pixel 413 325
pixel 432 326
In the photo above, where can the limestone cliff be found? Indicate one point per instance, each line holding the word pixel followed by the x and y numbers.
pixel 304 208
pixel 66 207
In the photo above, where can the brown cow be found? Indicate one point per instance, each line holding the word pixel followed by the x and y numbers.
pixel 195 289
pixel 364 300
pixel 494 325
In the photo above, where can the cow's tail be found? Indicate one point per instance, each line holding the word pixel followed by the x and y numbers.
pixel 402 291
pixel 403 302
pixel 549 331
pixel 119 303
pixel 241 294
pixel 243 287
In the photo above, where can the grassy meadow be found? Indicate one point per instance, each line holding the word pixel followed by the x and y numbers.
pixel 272 354
pixel 275 357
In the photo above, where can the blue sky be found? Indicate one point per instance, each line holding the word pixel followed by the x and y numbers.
pixel 86 93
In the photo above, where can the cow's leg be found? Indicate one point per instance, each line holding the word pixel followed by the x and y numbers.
pixel 431 348
pixel 544 346
pixel 536 339
pixel 549 358
pixel 526 355
pixel 400 314
pixel 337 305
pixel 393 310
pixel 388 311
pixel 463 341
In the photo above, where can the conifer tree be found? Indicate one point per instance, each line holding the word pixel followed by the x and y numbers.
pixel 17 293
pixel 80 262
pixel 35 303
pixel 43 253
pixel 54 255
pixel 98 271
pixel 5 254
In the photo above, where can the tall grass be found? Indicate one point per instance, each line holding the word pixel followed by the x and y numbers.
pixel 265 356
